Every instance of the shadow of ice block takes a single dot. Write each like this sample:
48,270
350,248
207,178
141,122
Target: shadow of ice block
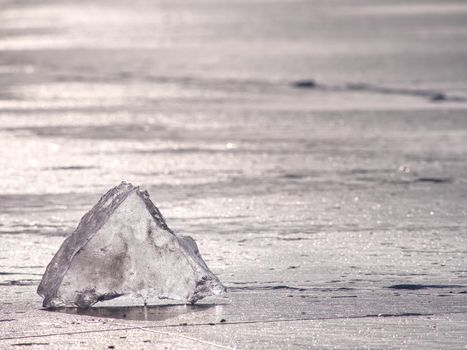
123,246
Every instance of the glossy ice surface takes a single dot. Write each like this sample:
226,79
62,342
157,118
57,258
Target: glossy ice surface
315,150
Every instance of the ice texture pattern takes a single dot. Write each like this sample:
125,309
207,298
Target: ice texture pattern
123,246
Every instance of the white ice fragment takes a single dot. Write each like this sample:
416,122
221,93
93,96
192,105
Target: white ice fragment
123,246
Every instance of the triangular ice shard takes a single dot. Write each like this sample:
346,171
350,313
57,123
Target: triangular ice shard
123,246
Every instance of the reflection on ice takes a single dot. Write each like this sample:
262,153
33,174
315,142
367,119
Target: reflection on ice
140,313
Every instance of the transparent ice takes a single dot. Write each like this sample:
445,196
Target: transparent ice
123,246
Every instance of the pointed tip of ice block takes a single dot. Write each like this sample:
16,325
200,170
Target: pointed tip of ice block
123,246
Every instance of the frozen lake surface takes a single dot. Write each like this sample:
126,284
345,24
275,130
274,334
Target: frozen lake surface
315,150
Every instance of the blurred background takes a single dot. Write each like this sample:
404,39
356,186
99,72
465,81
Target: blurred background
305,143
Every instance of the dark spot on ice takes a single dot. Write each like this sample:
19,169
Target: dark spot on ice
8,320
19,273
277,287
404,314
438,97
304,84
423,286
433,96
436,180
149,232
25,282
288,287
293,176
